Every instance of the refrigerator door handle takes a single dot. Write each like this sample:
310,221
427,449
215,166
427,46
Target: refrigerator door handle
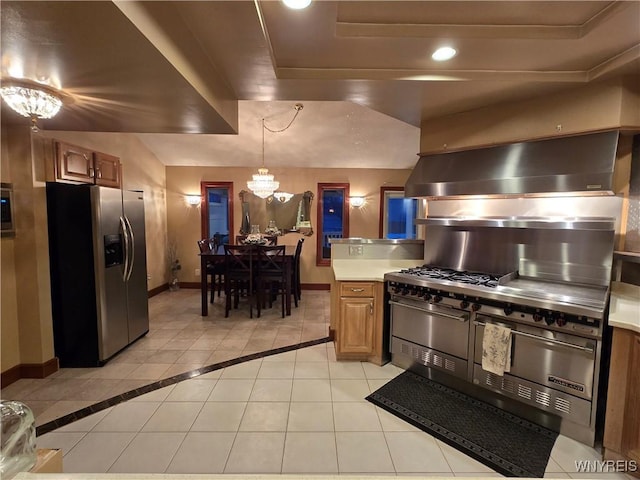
127,247
132,248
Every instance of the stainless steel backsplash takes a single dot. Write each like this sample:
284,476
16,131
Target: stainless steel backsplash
554,250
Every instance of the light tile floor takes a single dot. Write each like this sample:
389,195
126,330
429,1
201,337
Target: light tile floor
179,340
292,413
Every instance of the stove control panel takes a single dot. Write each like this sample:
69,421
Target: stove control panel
549,319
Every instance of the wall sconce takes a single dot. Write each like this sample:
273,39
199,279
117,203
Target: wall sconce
356,201
192,200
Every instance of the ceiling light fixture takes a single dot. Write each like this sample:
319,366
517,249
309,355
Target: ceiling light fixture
263,184
31,99
297,4
444,53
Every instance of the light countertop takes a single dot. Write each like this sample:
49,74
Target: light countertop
624,307
371,270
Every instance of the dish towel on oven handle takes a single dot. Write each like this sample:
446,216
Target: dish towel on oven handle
496,349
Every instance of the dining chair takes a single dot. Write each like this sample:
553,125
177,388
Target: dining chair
216,242
271,274
215,269
296,287
238,276
271,239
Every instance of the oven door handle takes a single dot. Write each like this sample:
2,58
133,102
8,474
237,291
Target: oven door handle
587,349
461,318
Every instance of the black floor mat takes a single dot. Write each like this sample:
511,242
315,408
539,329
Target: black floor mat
508,444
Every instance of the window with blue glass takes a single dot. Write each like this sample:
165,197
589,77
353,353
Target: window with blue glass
398,214
333,218
217,214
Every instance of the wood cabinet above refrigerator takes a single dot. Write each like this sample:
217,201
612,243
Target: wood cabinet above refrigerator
77,164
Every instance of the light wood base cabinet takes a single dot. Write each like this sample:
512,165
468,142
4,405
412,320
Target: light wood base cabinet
358,309
622,420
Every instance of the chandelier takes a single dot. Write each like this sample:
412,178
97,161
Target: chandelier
32,100
263,184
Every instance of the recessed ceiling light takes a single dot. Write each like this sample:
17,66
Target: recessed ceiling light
297,4
444,53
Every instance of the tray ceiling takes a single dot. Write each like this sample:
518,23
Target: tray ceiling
169,67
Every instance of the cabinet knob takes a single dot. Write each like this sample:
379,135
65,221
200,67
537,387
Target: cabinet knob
371,307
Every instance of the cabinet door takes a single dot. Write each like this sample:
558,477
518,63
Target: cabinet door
107,170
355,332
74,163
631,429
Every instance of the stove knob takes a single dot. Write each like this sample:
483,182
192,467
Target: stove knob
548,319
414,291
427,296
405,291
437,299
537,317
508,310
561,321
464,304
475,307
397,289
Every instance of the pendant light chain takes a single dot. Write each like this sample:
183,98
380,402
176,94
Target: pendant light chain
298,107
263,127
263,184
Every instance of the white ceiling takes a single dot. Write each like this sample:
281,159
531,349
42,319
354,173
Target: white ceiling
186,75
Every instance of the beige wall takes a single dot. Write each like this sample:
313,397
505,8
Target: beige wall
630,115
10,337
26,324
25,262
183,221
598,106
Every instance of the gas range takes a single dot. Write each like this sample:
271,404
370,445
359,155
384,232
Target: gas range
545,283
554,304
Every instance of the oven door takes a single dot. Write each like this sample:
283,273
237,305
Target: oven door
556,360
437,327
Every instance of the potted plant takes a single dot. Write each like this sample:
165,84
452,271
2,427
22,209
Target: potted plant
174,266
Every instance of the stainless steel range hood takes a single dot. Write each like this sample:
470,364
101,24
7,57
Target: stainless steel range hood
581,163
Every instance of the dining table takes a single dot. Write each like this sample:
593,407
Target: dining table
219,257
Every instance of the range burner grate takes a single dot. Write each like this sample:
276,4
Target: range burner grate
438,273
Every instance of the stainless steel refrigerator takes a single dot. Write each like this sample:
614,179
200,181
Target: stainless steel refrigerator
98,267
